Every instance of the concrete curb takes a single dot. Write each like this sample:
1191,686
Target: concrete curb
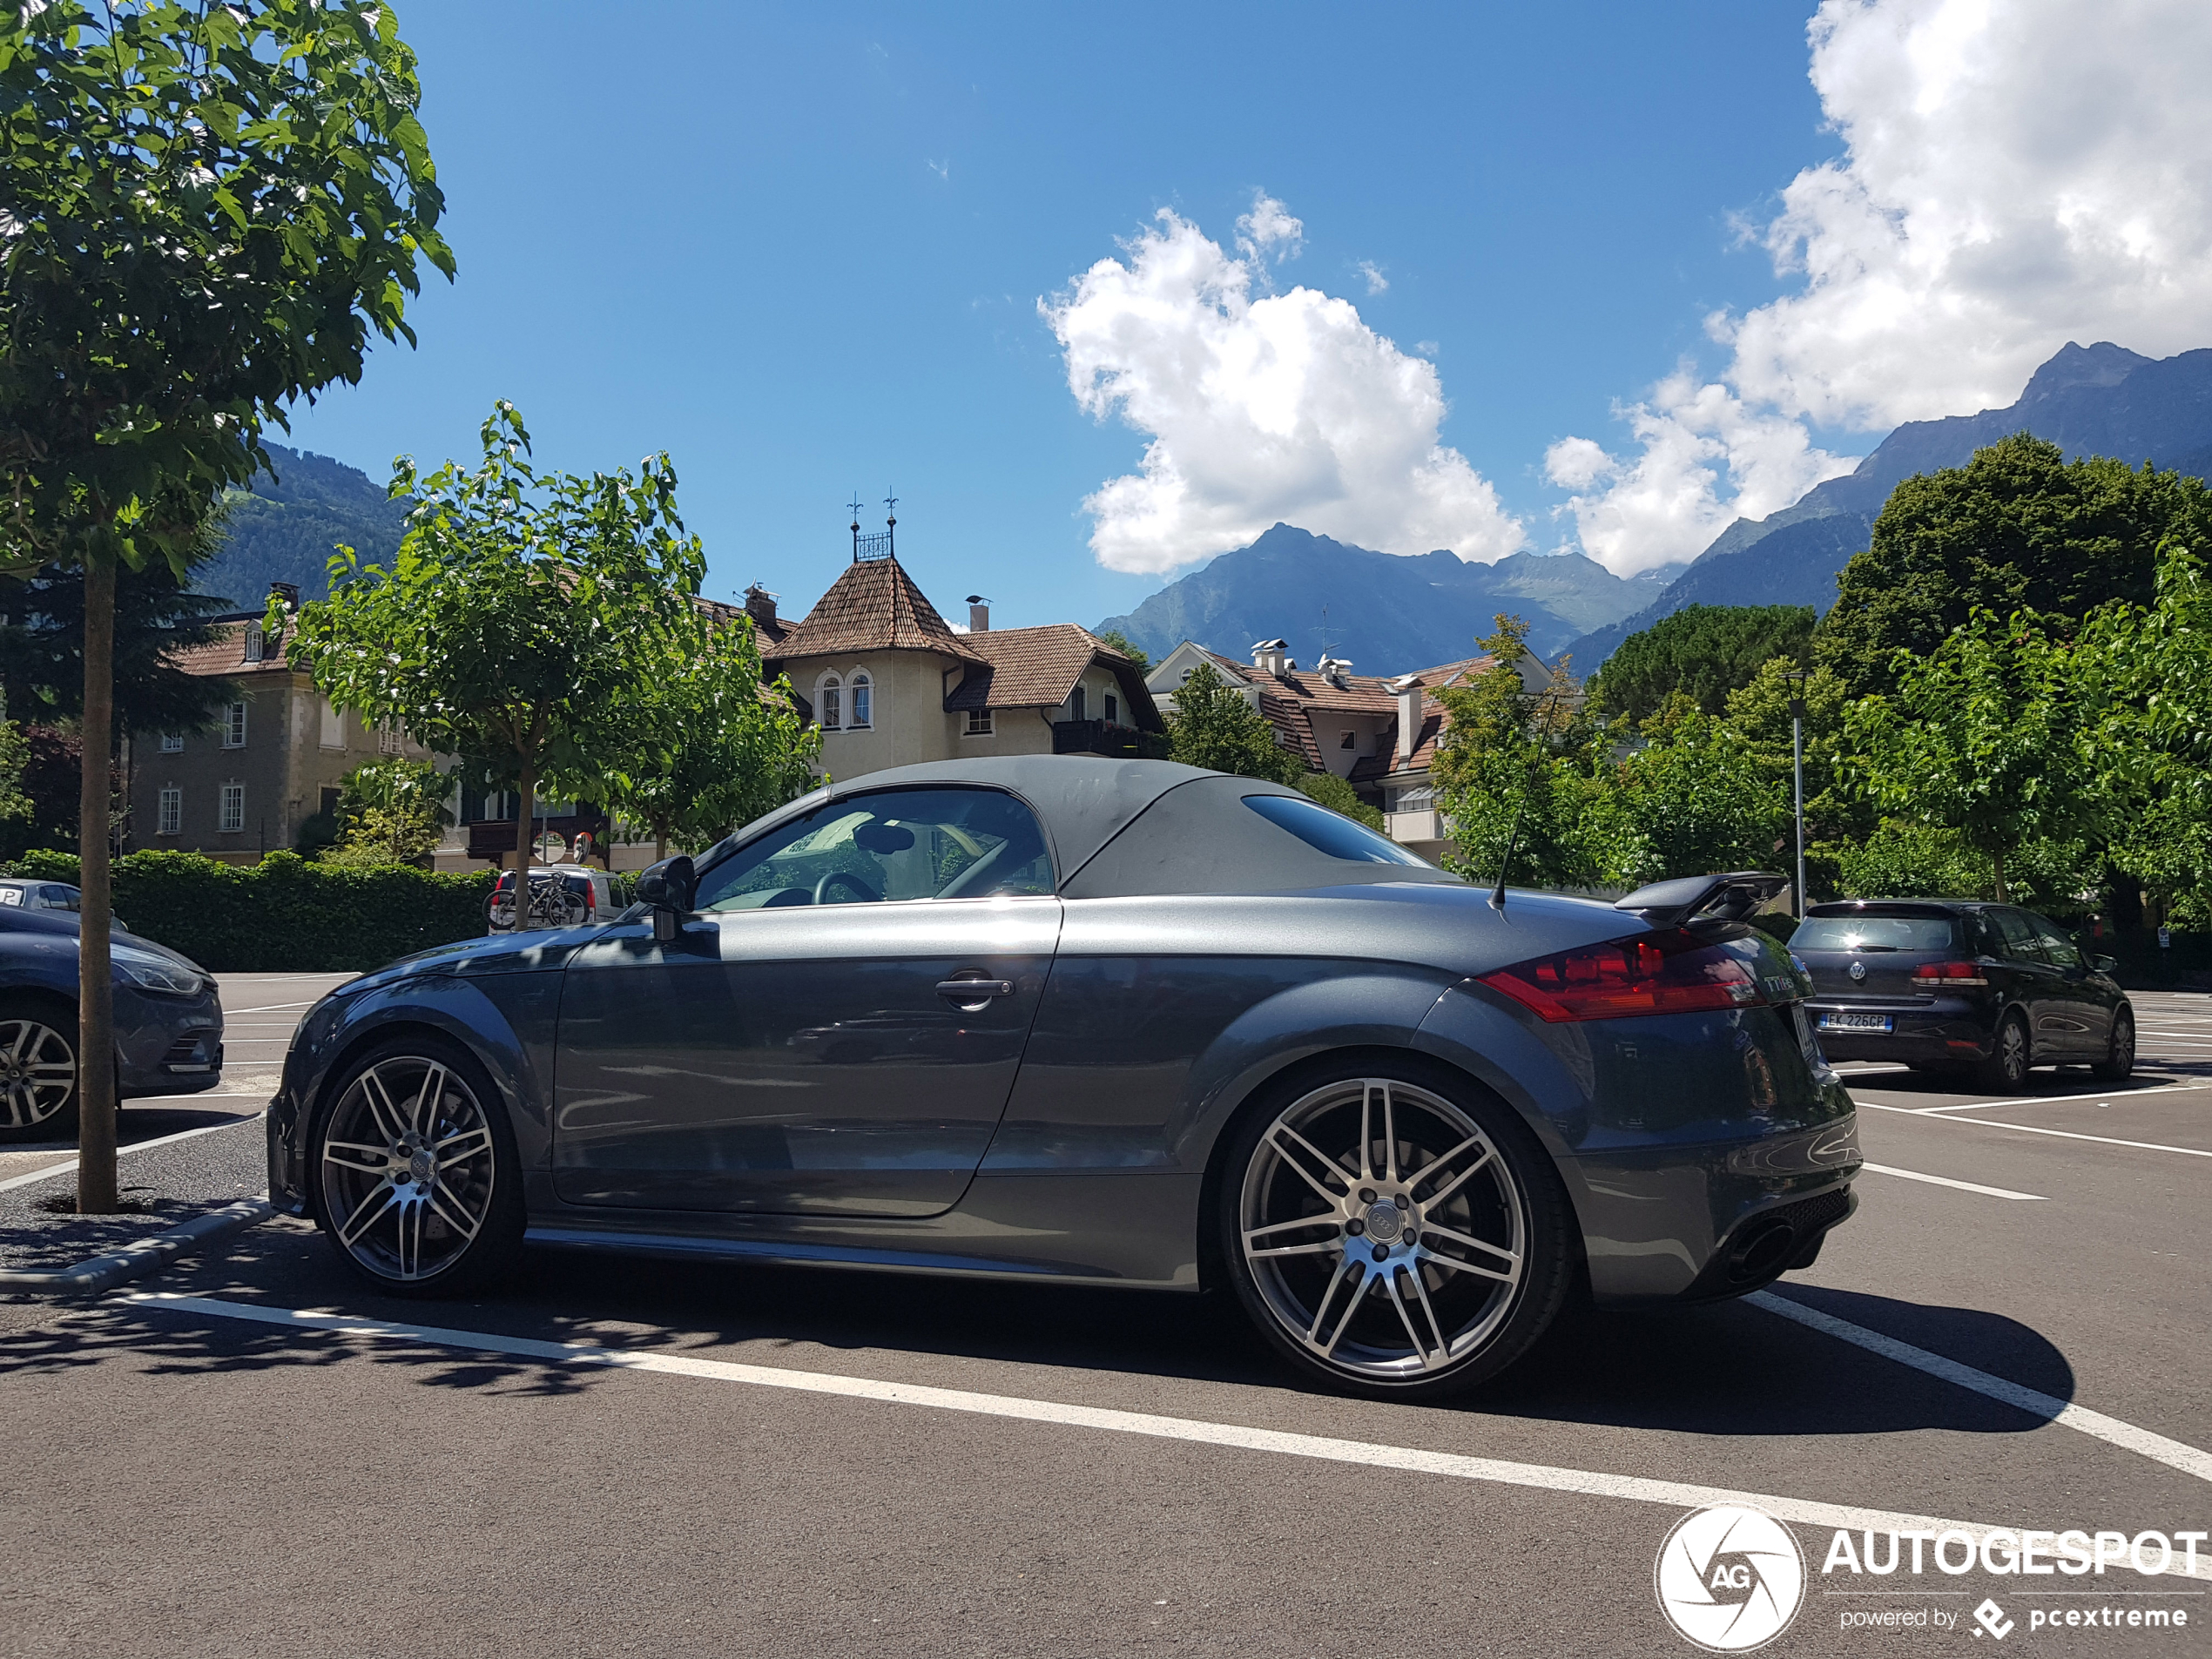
98,1273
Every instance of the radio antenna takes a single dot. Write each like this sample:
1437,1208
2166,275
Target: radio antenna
1497,892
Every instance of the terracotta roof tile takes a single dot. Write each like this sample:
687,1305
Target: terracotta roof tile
224,656
874,606
1037,667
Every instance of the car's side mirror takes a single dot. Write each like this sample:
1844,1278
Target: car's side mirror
668,886
2104,964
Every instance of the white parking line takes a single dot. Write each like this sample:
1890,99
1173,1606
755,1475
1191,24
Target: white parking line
1946,1181
136,1146
1543,1477
271,1008
2030,1129
2053,1100
2174,1454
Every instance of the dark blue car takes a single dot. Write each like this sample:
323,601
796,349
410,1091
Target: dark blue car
168,1023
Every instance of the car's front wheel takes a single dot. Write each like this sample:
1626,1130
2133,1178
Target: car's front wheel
419,1186
38,1071
1394,1230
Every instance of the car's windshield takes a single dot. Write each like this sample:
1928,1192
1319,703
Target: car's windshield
891,845
1872,933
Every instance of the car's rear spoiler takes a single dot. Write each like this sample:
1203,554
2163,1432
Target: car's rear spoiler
1712,897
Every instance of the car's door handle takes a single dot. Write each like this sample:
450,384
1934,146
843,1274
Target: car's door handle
975,991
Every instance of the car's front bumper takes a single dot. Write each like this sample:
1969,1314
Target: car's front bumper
167,1045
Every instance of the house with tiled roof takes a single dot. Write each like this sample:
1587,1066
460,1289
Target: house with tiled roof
891,682
1378,733
277,754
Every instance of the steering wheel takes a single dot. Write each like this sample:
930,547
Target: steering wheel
861,889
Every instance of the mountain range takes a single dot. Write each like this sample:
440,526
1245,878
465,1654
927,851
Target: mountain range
284,530
2099,400
1385,614
1389,614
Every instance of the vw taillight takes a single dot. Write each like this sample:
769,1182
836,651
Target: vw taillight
1946,974
1661,972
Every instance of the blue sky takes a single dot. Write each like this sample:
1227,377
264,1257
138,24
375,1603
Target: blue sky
802,249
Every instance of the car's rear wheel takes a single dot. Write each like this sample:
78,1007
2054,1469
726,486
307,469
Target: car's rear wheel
2005,1070
2119,1062
417,1178
1394,1230
37,1072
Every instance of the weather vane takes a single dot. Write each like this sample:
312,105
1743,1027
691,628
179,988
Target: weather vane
855,504
890,505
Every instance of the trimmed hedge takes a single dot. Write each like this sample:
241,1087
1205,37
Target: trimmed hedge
285,915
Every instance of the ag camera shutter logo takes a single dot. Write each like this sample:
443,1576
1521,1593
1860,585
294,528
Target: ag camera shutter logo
1729,1578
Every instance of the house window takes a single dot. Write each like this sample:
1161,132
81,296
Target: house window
1347,739
829,701
173,742
171,817
1113,710
979,723
1076,705
234,726
388,738
256,645
333,726
863,702
233,813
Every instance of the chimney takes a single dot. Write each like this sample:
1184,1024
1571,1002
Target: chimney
1271,656
760,605
979,614
1407,690
288,591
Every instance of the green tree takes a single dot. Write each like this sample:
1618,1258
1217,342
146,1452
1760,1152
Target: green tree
1120,641
1335,794
1696,798
1837,815
209,208
1704,652
2019,527
714,748
1213,726
1992,736
389,812
525,622
15,755
1512,772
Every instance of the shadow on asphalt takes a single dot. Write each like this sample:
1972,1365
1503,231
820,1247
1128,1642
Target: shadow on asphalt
1724,1369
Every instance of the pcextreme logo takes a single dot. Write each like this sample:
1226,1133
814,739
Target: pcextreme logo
1729,1578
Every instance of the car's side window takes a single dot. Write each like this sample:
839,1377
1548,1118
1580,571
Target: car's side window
887,847
2019,936
2057,948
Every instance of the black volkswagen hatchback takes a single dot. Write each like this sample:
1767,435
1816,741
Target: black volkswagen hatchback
1952,985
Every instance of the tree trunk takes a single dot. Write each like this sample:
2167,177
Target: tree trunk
525,822
95,986
1997,861
660,844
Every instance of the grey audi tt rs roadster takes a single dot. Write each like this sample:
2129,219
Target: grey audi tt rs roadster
1056,1018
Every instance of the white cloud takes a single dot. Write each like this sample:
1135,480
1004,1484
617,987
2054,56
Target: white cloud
1707,458
1286,407
1377,282
2015,174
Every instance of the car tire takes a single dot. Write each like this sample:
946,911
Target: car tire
39,1074
414,1171
1420,1268
2005,1070
2119,1062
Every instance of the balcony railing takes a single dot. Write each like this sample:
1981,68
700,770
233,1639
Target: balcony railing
1097,737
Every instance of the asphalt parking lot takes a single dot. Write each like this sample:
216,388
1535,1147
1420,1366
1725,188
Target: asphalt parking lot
2012,1332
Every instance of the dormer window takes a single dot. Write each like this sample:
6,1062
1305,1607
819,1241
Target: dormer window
863,691
256,644
829,701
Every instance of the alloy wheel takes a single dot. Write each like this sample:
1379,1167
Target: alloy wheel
37,1072
1383,1228
2012,1052
408,1164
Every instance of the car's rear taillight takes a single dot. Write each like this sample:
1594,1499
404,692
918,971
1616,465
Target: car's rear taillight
1661,972
1944,975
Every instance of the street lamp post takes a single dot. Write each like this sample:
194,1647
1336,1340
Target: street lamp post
1797,677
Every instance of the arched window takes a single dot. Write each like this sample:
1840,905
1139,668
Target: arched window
863,700
829,701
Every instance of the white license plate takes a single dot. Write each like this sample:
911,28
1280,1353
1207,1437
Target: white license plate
1855,1021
